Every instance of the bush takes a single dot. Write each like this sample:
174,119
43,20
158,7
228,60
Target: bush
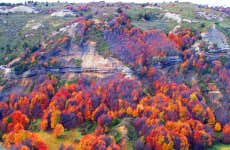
20,68
117,135
115,122
78,62
35,125
132,134
148,16
2,79
98,37
119,10
34,49
223,60
88,127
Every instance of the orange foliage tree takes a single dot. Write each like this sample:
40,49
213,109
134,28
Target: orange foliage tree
226,134
58,130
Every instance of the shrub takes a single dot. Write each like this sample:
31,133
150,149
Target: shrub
78,62
58,130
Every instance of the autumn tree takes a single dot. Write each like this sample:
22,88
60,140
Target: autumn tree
58,130
226,134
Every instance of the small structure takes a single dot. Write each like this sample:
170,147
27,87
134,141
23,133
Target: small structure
63,13
213,92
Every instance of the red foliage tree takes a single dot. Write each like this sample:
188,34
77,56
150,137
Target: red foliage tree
17,121
226,134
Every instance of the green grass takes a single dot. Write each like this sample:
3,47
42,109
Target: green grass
157,20
88,127
136,13
225,27
116,134
98,36
163,25
35,125
189,11
78,62
130,145
13,32
186,10
2,79
198,26
220,147
69,137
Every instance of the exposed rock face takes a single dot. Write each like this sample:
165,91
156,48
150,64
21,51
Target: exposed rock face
173,16
25,9
215,37
91,59
210,16
91,62
63,13
33,25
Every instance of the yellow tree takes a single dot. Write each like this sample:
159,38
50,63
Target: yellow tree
211,116
58,130
55,117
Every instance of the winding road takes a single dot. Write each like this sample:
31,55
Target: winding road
38,71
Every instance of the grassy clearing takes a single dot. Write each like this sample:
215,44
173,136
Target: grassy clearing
201,26
186,10
17,29
136,13
69,137
220,147
225,27
163,25
155,19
